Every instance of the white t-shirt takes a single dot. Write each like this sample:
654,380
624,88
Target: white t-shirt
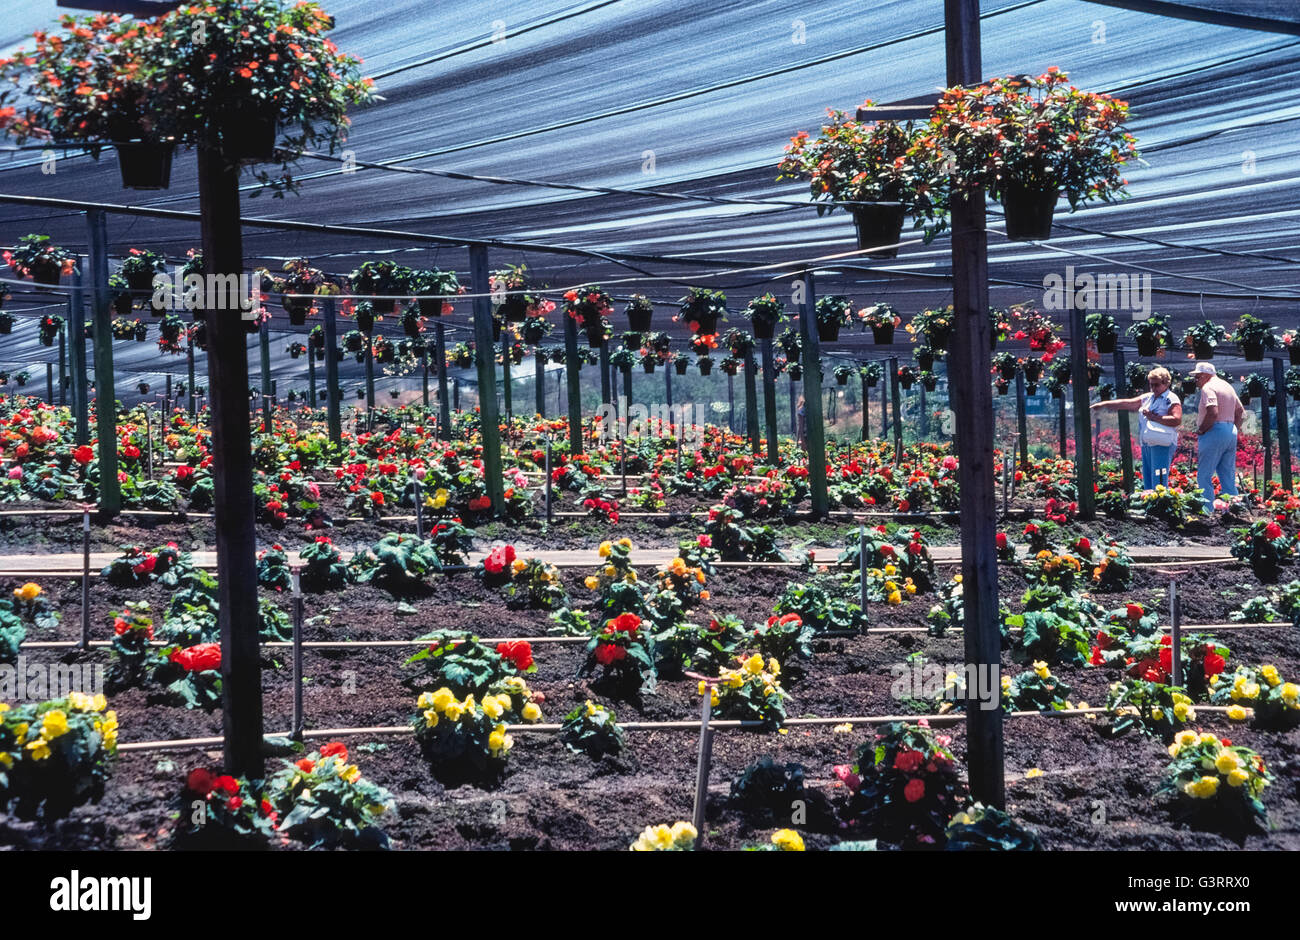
1152,432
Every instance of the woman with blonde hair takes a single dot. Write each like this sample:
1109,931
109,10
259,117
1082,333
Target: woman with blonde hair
1162,413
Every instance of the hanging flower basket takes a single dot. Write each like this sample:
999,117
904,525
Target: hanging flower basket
514,309
1147,346
681,365
142,332
1252,352
1107,342
297,308
925,359
6,323
841,379
795,371
411,325
595,334
929,381
828,332
122,305
1029,211
879,228
365,318
706,366
648,365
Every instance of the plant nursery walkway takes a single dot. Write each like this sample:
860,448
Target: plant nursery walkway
70,563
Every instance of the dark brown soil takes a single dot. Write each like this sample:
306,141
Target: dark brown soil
550,798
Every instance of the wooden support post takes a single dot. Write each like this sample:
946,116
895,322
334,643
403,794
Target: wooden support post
606,380
539,382
232,475
866,411
264,350
63,362
311,377
769,401
507,397
49,378
77,341
444,402
751,403
884,403
968,371
897,401
110,492
571,367
549,485
189,371
489,419
1125,438
1083,474
1060,425
627,390
1022,420
333,392
1283,424
370,377
1266,435
814,424
925,414
455,394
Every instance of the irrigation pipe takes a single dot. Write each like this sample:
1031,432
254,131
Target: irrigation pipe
566,640
951,718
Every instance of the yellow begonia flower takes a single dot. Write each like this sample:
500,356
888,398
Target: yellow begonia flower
531,712
787,840
1237,713
28,592
605,549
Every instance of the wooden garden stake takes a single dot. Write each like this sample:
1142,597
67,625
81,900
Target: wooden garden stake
705,757
85,574
574,386
549,514
419,507
299,723
862,571
1176,620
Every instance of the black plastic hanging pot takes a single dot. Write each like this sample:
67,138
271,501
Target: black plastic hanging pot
297,308
639,320
706,366
45,273
6,325
883,335
249,138
122,305
514,309
828,331
879,228
1029,211
1106,343
1147,345
1202,350
679,366
841,380
365,320
1252,352
925,360
144,165
648,366
707,323
763,327
1293,352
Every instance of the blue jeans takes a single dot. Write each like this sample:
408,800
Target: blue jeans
1155,464
1216,453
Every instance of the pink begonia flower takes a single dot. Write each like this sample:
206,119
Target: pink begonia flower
15,472
844,773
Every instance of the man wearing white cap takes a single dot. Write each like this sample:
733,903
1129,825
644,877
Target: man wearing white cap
1218,419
